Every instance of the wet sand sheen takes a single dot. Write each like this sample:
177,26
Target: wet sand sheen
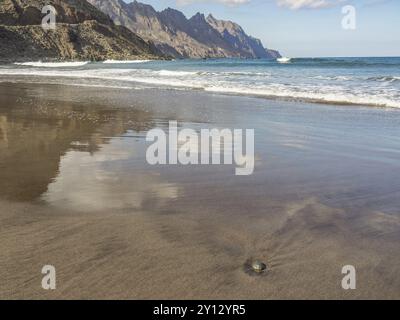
77,193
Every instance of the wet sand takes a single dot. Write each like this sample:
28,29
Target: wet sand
77,193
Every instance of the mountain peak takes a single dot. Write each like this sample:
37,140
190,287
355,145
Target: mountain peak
172,11
174,34
198,17
135,5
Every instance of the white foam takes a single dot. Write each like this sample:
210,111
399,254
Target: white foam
389,79
340,78
125,61
53,64
333,94
129,75
170,73
284,60
321,96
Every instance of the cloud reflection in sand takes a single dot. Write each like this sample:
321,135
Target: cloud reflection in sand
107,179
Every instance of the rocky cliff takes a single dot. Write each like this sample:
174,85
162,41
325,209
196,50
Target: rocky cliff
236,37
82,33
174,34
274,53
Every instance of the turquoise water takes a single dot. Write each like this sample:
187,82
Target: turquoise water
361,81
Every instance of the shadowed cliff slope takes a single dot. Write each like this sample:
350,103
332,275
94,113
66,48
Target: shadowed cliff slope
82,33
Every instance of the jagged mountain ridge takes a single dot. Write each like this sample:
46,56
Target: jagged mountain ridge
83,33
174,34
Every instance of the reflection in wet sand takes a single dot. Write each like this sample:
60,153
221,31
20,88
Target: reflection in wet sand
76,192
36,133
106,180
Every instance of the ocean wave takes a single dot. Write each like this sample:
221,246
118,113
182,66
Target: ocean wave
311,92
389,79
52,64
246,73
124,61
124,75
284,60
170,73
334,78
337,98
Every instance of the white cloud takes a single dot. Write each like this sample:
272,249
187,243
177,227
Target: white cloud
310,4
233,2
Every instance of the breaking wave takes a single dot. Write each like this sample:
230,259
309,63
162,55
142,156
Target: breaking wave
360,86
40,64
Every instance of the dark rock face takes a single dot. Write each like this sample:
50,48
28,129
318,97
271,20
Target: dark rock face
274,54
83,33
174,34
28,12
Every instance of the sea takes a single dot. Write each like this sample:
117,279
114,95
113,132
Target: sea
342,81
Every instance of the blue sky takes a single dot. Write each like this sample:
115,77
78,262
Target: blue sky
307,28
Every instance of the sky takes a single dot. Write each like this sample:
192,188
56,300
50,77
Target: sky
307,28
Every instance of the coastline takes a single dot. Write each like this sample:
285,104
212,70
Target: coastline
76,192
361,82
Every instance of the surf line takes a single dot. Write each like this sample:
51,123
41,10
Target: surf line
189,147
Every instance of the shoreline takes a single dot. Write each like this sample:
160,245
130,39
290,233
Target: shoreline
271,98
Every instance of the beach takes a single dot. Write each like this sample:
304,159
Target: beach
77,193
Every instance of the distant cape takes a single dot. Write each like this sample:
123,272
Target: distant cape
173,34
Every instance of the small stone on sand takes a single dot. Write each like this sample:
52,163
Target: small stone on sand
259,266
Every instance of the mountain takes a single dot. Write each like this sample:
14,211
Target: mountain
82,33
273,53
174,34
237,38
